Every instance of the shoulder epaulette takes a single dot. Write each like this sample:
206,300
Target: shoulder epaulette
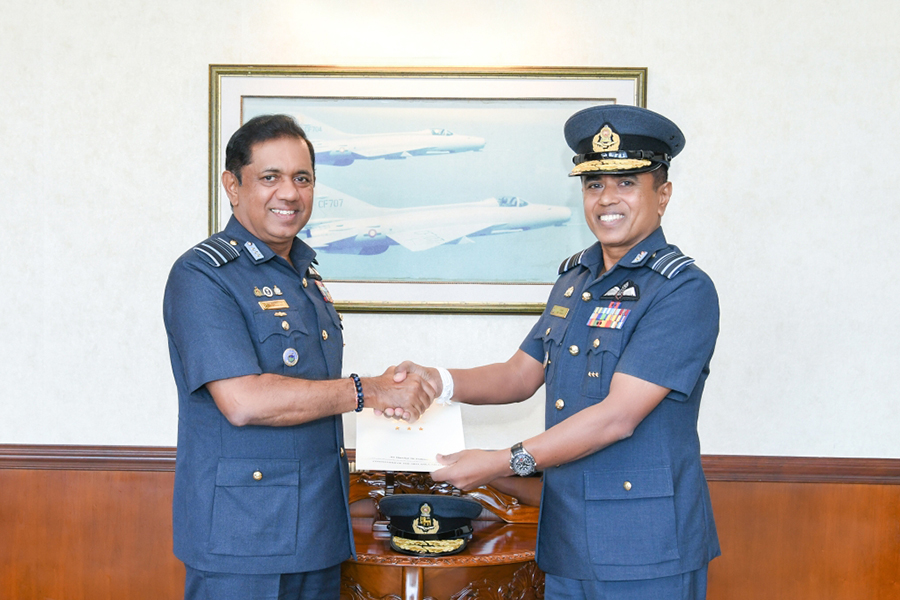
572,261
217,251
670,263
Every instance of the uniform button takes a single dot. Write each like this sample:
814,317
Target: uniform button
341,316
285,325
257,475
303,281
573,350
627,486
560,404
342,453
324,335
586,296
233,243
597,343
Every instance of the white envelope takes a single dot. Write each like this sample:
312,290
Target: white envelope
384,444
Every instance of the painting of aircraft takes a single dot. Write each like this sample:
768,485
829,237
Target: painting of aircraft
343,224
340,149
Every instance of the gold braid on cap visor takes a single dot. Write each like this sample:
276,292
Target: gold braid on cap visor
428,546
610,164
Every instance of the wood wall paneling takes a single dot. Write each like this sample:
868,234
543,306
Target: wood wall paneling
94,523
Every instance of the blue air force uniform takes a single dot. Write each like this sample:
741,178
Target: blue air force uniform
252,499
640,508
635,516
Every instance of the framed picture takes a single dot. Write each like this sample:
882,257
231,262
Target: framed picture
437,190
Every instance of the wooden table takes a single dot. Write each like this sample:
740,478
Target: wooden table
498,563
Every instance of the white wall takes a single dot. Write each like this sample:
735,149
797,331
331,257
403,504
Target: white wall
785,194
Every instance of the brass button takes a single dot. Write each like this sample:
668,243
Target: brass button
560,404
597,343
324,335
342,453
285,325
257,475
303,281
586,296
573,350
233,243
627,486
341,316
547,332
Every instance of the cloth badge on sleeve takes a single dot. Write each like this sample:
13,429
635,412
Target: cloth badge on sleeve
624,291
609,317
325,295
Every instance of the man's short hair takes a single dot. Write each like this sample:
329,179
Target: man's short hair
660,176
239,151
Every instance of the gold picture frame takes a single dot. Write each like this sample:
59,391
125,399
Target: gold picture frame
522,109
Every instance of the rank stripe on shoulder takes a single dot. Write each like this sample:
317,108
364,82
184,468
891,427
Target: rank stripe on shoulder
671,264
570,262
217,251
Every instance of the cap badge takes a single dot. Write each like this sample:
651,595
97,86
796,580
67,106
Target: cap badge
606,140
425,523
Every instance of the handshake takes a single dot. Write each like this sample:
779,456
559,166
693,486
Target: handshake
404,391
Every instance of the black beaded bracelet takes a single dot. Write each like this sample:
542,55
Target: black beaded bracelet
359,392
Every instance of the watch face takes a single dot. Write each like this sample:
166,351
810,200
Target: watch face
522,464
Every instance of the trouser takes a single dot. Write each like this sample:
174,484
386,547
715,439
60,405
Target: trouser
314,585
685,586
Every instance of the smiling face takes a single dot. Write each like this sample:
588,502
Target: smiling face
622,210
273,200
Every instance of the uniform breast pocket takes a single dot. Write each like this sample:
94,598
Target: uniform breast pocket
551,336
281,324
255,507
631,516
602,355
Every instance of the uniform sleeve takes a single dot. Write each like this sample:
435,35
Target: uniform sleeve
207,328
532,345
675,338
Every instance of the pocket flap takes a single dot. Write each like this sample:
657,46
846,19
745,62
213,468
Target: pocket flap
286,323
233,472
625,485
552,330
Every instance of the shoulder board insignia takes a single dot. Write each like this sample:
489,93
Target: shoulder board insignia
572,261
217,251
313,274
671,263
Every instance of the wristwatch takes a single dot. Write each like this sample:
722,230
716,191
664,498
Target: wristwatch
520,461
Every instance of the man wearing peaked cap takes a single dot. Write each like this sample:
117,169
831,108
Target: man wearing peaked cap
623,347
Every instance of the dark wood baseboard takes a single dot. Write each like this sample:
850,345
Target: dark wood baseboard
718,467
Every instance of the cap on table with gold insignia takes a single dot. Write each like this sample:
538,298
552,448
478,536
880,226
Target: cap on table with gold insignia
615,139
429,525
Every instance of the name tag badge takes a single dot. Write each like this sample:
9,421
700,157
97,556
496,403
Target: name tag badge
559,311
273,304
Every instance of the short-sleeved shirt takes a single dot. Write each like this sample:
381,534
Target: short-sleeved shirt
639,508
254,499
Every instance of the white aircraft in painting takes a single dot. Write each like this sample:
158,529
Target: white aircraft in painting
340,149
346,225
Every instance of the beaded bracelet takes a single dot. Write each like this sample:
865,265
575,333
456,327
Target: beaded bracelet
359,392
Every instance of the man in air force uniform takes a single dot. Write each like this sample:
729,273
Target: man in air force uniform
624,347
261,482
